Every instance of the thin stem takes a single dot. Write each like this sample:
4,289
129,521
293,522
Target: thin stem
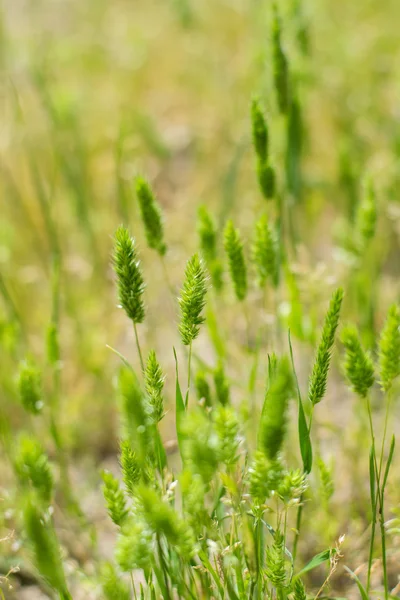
373,524
300,507
298,526
133,586
189,367
247,319
388,403
167,279
163,566
138,346
383,542
381,498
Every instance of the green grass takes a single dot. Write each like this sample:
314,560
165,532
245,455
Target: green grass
253,157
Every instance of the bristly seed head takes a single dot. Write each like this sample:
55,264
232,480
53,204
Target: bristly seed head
259,131
129,275
389,348
192,299
151,216
154,384
358,365
237,265
319,375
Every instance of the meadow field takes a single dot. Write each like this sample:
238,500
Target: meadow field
200,300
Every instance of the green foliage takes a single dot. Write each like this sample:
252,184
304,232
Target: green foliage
193,495
237,265
266,253
275,561
154,384
202,524
45,548
32,467
366,217
319,375
192,300
130,467
115,499
227,429
129,276
203,388
264,477
53,344
222,388
266,179
151,215
135,415
299,592
30,387
201,445
273,418
259,131
114,588
389,348
134,545
207,232
326,479
292,487
164,520
280,65
358,365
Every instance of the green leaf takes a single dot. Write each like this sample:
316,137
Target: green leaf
360,586
179,410
160,450
315,562
304,433
389,462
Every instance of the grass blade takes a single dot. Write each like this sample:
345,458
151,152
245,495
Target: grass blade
304,433
179,409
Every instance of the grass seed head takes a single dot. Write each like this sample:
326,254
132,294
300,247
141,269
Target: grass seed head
319,375
30,387
358,365
151,215
389,348
192,299
115,499
237,265
129,276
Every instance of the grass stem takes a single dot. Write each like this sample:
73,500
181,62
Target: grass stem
138,347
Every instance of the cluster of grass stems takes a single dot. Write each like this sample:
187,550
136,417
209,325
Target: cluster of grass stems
223,517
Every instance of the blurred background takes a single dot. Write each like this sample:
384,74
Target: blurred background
95,92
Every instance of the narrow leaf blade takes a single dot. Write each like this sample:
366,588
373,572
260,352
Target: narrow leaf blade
179,410
304,433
